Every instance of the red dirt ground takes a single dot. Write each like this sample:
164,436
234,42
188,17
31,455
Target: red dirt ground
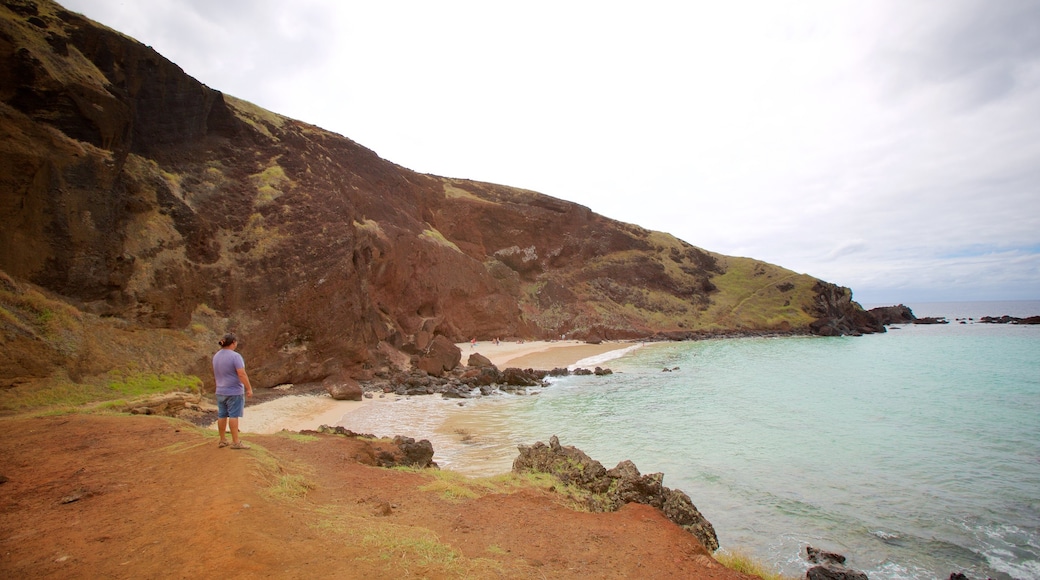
93,496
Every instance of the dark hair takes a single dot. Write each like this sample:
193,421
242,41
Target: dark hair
228,339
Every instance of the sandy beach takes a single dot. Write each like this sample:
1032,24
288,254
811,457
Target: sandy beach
538,354
303,412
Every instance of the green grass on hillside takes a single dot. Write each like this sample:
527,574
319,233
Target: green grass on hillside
118,386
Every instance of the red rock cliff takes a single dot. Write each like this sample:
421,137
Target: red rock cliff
134,192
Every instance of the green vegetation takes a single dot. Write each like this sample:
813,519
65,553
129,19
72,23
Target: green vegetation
142,384
741,562
113,391
754,294
432,235
270,184
455,487
452,192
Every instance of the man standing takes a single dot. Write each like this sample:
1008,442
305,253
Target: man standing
229,370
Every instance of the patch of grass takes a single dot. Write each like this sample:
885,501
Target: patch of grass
740,561
436,237
290,486
300,437
415,546
494,549
283,483
113,391
143,384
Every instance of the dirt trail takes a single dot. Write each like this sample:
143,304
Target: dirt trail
91,496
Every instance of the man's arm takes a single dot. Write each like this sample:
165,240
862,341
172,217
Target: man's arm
242,376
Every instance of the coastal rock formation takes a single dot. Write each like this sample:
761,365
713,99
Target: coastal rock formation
403,452
836,313
614,488
1005,319
829,566
899,314
149,203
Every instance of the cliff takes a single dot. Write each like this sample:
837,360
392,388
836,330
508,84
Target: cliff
156,212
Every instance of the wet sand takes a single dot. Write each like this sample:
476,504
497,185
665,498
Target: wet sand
538,354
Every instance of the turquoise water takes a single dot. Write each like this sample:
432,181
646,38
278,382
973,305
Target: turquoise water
916,452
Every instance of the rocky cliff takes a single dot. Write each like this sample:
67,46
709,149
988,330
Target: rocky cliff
148,204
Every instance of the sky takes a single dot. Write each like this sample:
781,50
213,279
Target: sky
888,146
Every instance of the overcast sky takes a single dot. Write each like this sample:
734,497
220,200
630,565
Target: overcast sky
892,147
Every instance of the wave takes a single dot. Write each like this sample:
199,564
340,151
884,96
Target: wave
602,358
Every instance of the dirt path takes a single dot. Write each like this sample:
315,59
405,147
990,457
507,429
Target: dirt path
90,496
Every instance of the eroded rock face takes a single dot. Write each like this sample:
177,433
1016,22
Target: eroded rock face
615,487
836,314
898,314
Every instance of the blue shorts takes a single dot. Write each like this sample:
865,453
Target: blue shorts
230,406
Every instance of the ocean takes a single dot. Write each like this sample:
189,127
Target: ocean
916,453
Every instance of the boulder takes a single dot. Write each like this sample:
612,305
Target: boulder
343,388
515,377
478,360
440,356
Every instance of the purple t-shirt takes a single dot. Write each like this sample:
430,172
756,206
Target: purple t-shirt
225,370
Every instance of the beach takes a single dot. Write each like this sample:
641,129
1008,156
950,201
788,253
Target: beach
538,354
308,412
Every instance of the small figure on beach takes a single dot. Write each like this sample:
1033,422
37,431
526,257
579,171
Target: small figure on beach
473,343
229,371
496,341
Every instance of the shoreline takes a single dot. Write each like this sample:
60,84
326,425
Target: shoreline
539,354
305,412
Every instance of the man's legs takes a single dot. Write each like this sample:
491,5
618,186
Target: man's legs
222,418
233,422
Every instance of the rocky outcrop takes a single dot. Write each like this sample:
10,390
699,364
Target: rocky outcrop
1005,319
836,314
829,566
613,488
401,451
899,314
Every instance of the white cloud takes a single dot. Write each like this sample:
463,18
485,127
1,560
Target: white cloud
863,143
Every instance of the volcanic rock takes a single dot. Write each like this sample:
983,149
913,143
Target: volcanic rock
613,488
899,314
343,388
478,360
441,355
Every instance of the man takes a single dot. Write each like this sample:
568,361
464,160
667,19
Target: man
229,370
